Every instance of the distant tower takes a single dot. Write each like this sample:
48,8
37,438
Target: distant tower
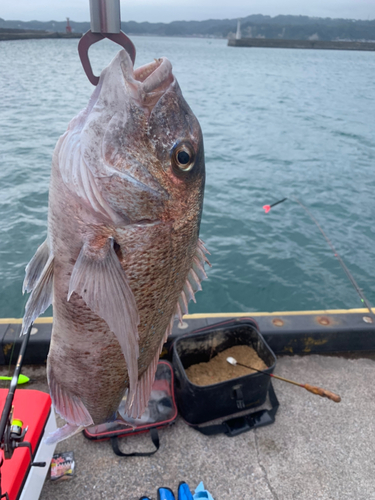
68,28
238,34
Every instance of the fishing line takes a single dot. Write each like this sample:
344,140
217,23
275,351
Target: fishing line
359,291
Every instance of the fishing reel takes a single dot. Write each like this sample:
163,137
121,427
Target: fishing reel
14,437
12,434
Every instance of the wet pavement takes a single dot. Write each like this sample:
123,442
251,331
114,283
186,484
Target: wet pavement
316,449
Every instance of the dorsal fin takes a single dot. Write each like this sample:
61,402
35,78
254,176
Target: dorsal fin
193,281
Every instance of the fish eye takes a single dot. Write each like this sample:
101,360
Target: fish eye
183,157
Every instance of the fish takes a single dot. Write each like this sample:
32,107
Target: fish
122,257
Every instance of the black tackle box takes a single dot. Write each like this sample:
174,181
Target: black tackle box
237,398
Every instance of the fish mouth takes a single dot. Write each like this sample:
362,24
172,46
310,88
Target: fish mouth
156,75
149,82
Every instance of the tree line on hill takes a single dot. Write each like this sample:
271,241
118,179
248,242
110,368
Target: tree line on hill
257,26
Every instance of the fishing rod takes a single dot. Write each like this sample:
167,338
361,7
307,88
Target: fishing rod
5,416
11,433
311,388
362,296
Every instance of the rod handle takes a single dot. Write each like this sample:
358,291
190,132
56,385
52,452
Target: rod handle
322,392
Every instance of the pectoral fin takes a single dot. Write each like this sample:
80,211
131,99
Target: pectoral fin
41,296
101,282
35,267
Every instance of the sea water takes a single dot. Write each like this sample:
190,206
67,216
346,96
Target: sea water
276,123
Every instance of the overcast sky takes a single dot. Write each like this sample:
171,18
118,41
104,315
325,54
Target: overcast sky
172,10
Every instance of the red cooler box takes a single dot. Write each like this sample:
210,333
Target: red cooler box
19,479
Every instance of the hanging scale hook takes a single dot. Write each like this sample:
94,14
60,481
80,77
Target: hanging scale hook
105,23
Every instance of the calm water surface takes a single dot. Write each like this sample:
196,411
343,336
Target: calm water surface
276,123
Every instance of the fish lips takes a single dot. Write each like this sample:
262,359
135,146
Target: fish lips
148,83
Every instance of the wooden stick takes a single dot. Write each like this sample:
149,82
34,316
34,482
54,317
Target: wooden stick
311,388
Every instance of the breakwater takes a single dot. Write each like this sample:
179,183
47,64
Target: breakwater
26,35
301,44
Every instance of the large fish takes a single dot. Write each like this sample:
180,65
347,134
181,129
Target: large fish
122,257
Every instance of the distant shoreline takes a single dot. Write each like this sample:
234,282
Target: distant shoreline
301,44
232,42
284,27
53,35
35,35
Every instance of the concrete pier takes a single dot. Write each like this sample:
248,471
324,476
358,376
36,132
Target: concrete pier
27,35
316,449
301,44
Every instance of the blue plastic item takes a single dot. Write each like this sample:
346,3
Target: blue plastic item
200,492
184,492
165,494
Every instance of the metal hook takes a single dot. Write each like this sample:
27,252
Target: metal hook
105,23
90,38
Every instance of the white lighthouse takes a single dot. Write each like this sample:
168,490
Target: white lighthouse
238,34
